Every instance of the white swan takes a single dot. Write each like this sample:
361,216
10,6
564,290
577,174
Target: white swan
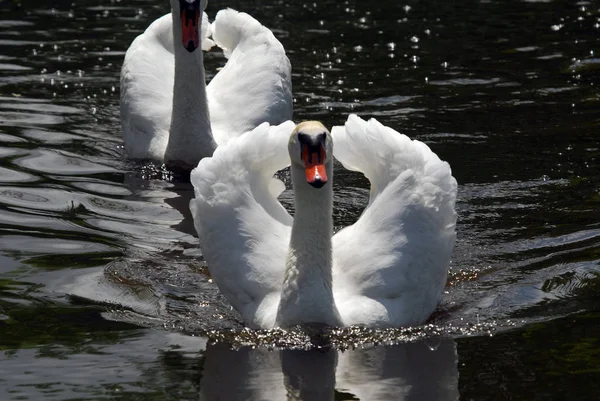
169,114
388,269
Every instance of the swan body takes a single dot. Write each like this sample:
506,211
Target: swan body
388,269
169,114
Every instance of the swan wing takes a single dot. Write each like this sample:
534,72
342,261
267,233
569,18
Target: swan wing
255,84
146,88
243,230
390,267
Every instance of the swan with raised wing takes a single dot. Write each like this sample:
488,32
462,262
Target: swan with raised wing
388,269
170,115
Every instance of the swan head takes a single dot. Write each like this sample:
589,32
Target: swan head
190,14
311,148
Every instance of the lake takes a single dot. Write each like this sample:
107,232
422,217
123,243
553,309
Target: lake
104,294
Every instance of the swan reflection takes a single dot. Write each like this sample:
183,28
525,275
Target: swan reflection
424,370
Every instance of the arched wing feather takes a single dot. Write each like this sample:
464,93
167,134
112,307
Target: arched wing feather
256,81
391,265
243,229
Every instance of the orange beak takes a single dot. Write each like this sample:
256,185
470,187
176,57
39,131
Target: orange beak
189,29
316,174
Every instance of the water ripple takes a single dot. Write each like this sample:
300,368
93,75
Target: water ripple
515,116
12,176
42,246
61,162
29,119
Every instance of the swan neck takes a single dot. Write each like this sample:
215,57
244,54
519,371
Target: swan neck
307,295
190,136
314,208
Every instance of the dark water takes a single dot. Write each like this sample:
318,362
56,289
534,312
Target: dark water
102,292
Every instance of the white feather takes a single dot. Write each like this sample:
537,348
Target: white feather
242,228
389,268
253,87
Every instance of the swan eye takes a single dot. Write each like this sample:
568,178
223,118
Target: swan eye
312,140
312,148
190,5
313,155
302,137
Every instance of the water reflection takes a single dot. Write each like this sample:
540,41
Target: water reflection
155,365
424,370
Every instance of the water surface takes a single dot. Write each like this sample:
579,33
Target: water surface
104,295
